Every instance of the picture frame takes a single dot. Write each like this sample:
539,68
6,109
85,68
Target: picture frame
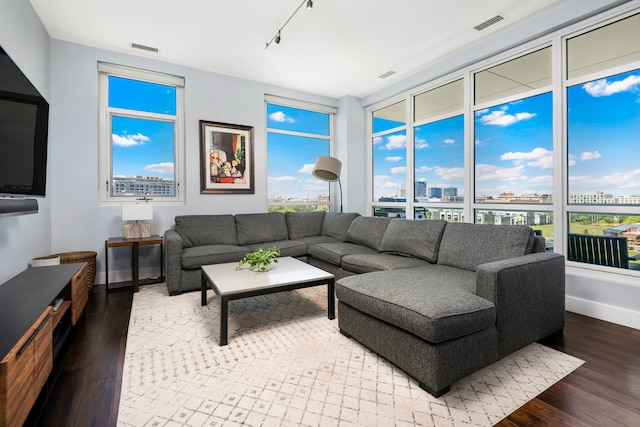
226,158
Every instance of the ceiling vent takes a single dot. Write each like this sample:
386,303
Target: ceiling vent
387,74
145,48
489,22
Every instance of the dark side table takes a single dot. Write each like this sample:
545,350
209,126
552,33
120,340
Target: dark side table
134,243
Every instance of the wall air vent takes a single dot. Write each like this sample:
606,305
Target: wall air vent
489,22
143,47
387,74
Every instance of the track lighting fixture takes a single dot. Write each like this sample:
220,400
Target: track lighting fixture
277,37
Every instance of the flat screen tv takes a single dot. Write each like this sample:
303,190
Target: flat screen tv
24,124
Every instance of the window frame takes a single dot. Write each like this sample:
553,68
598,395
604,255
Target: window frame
105,181
334,202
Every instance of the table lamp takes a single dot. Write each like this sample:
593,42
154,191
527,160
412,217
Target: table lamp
136,212
328,168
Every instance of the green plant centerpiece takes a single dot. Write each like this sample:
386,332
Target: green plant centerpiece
261,259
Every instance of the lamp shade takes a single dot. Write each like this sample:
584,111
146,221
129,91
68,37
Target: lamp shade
327,168
137,211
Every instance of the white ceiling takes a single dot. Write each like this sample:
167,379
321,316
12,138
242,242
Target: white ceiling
339,48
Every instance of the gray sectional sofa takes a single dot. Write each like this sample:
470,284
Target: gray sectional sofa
439,300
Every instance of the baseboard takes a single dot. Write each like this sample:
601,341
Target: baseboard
609,313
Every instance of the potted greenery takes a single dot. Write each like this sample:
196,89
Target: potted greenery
261,259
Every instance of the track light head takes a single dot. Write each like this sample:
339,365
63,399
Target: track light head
278,38
309,4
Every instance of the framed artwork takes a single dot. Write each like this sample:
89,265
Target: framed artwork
226,158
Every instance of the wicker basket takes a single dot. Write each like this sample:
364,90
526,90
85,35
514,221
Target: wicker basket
81,256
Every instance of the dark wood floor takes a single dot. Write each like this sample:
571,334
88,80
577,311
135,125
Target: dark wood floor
605,391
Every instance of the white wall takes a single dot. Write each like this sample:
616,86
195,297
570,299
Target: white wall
81,223
23,37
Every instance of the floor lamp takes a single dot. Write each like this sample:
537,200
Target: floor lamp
328,168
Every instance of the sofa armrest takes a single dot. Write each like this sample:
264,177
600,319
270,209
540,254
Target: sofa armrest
173,260
529,295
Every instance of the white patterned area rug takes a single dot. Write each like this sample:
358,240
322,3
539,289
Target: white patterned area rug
288,365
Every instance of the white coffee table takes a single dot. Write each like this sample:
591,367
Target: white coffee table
288,274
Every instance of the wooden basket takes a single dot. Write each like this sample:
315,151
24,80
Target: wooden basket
81,256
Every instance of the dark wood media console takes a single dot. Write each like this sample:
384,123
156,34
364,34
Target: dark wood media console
31,331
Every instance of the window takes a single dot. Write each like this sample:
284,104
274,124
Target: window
140,134
297,133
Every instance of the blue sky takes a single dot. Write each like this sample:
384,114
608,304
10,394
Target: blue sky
142,147
291,157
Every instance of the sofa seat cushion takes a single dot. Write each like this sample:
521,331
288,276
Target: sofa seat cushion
465,245
294,248
261,227
413,238
366,263
198,256
333,252
198,230
426,301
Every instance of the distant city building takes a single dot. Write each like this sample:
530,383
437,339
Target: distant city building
601,198
449,191
435,192
420,189
143,186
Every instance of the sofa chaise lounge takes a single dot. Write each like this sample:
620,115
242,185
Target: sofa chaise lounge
439,300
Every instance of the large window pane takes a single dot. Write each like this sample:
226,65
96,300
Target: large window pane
514,152
607,47
439,160
295,139
603,129
390,166
141,96
518,76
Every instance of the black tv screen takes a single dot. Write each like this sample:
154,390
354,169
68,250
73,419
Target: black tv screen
24,123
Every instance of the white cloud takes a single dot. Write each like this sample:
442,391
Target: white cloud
307,168
280,117
393,159
501,118
587,155
572,160
617,180
165,167
421,143
489,172
538,157
279,179
546,180
424,169
129,140
399,169
396,141
449,141
605,88
449,173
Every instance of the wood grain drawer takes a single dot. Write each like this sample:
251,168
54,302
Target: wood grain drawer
31,357
79,293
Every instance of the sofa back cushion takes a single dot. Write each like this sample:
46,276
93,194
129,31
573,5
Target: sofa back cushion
261,228
408,237
336,224
304,224
367,231
200,230
467,246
